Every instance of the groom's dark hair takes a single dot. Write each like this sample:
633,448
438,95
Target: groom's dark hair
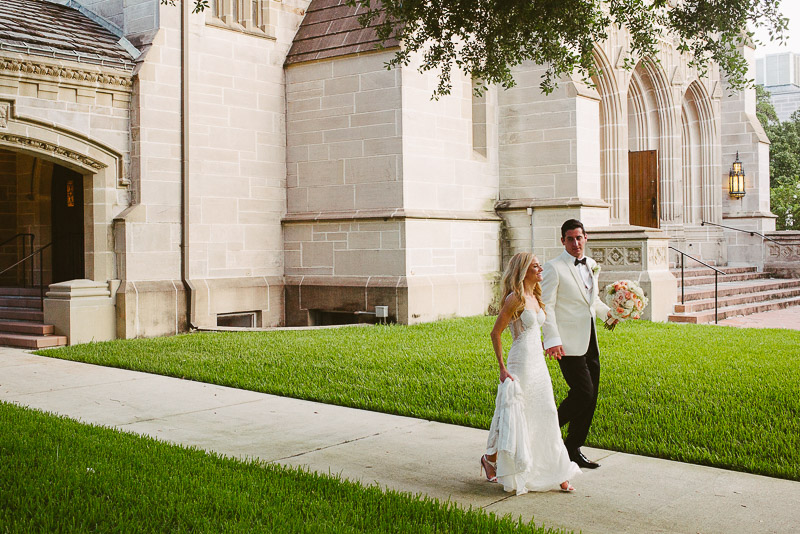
571,224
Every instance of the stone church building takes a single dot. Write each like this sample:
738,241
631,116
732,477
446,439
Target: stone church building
257,165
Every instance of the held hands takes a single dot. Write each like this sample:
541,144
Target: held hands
556,352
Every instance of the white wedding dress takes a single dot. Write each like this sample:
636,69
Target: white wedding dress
528,406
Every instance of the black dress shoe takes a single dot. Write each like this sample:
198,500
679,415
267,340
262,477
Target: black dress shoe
582,461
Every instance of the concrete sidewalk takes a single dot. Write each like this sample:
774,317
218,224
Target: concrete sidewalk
627,494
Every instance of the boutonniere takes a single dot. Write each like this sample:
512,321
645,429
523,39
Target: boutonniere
596,269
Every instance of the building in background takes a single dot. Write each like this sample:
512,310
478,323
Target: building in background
780,75
261,167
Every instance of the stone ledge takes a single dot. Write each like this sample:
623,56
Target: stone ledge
559,202
625,232
748,215
399,213
78,289
381,281
260,32
65,73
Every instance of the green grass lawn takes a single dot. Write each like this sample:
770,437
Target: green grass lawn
62,476
710,395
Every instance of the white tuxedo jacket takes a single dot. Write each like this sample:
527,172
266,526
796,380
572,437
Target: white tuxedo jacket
569,306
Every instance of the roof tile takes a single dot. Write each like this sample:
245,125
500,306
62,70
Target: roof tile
40,27
331,29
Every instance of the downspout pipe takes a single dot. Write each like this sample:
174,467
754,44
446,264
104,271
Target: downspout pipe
530,213
185,274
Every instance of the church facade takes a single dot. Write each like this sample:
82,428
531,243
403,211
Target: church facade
256,165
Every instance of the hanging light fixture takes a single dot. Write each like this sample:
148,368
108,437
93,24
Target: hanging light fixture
736,179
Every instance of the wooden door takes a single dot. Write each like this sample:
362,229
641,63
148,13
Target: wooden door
67,219
643,188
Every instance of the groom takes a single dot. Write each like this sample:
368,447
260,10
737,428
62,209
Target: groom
570,296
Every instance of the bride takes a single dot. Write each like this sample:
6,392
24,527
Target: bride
524,450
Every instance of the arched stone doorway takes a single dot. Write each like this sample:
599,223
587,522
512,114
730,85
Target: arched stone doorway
66,190
41,209
653,141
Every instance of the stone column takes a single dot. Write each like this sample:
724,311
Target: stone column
742,133
82,310
640,255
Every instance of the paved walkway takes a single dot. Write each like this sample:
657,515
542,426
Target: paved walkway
785,318
627,494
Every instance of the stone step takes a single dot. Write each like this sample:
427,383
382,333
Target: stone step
27,341
21,314
737,288
26,327
705,280
20,301
737,300
20,291
732,311
690,272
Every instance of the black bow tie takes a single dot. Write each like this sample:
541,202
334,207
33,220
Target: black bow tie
577,261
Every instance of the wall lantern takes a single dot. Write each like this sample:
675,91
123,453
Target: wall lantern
736,179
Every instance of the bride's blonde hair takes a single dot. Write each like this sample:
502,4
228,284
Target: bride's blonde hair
514,282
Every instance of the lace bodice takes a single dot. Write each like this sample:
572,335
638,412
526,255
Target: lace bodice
527,320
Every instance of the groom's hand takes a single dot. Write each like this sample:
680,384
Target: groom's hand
556,352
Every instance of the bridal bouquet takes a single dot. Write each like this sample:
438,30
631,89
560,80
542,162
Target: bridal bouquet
626,300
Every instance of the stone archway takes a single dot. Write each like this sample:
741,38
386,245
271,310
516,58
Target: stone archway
613,156
99,166
652,126
701,199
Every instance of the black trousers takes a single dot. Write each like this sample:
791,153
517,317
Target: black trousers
582,374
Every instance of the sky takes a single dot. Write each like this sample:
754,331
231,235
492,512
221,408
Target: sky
791,10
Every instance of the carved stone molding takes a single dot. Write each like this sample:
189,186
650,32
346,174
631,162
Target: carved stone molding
5,113
43,146
617,255
784,253
657,256
70,74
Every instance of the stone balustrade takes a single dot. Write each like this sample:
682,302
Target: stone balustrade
783,257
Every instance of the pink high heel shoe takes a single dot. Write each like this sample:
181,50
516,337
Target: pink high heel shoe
568,488
485,465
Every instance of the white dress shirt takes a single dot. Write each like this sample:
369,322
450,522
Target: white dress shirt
586,276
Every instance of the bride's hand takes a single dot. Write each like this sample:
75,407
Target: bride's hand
505,374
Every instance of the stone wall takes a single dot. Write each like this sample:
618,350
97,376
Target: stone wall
389,195
549,162
451,175
344,135
783,258
344,187
237,175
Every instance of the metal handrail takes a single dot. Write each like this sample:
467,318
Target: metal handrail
10,239
717,272
703,223
24,251
38,251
